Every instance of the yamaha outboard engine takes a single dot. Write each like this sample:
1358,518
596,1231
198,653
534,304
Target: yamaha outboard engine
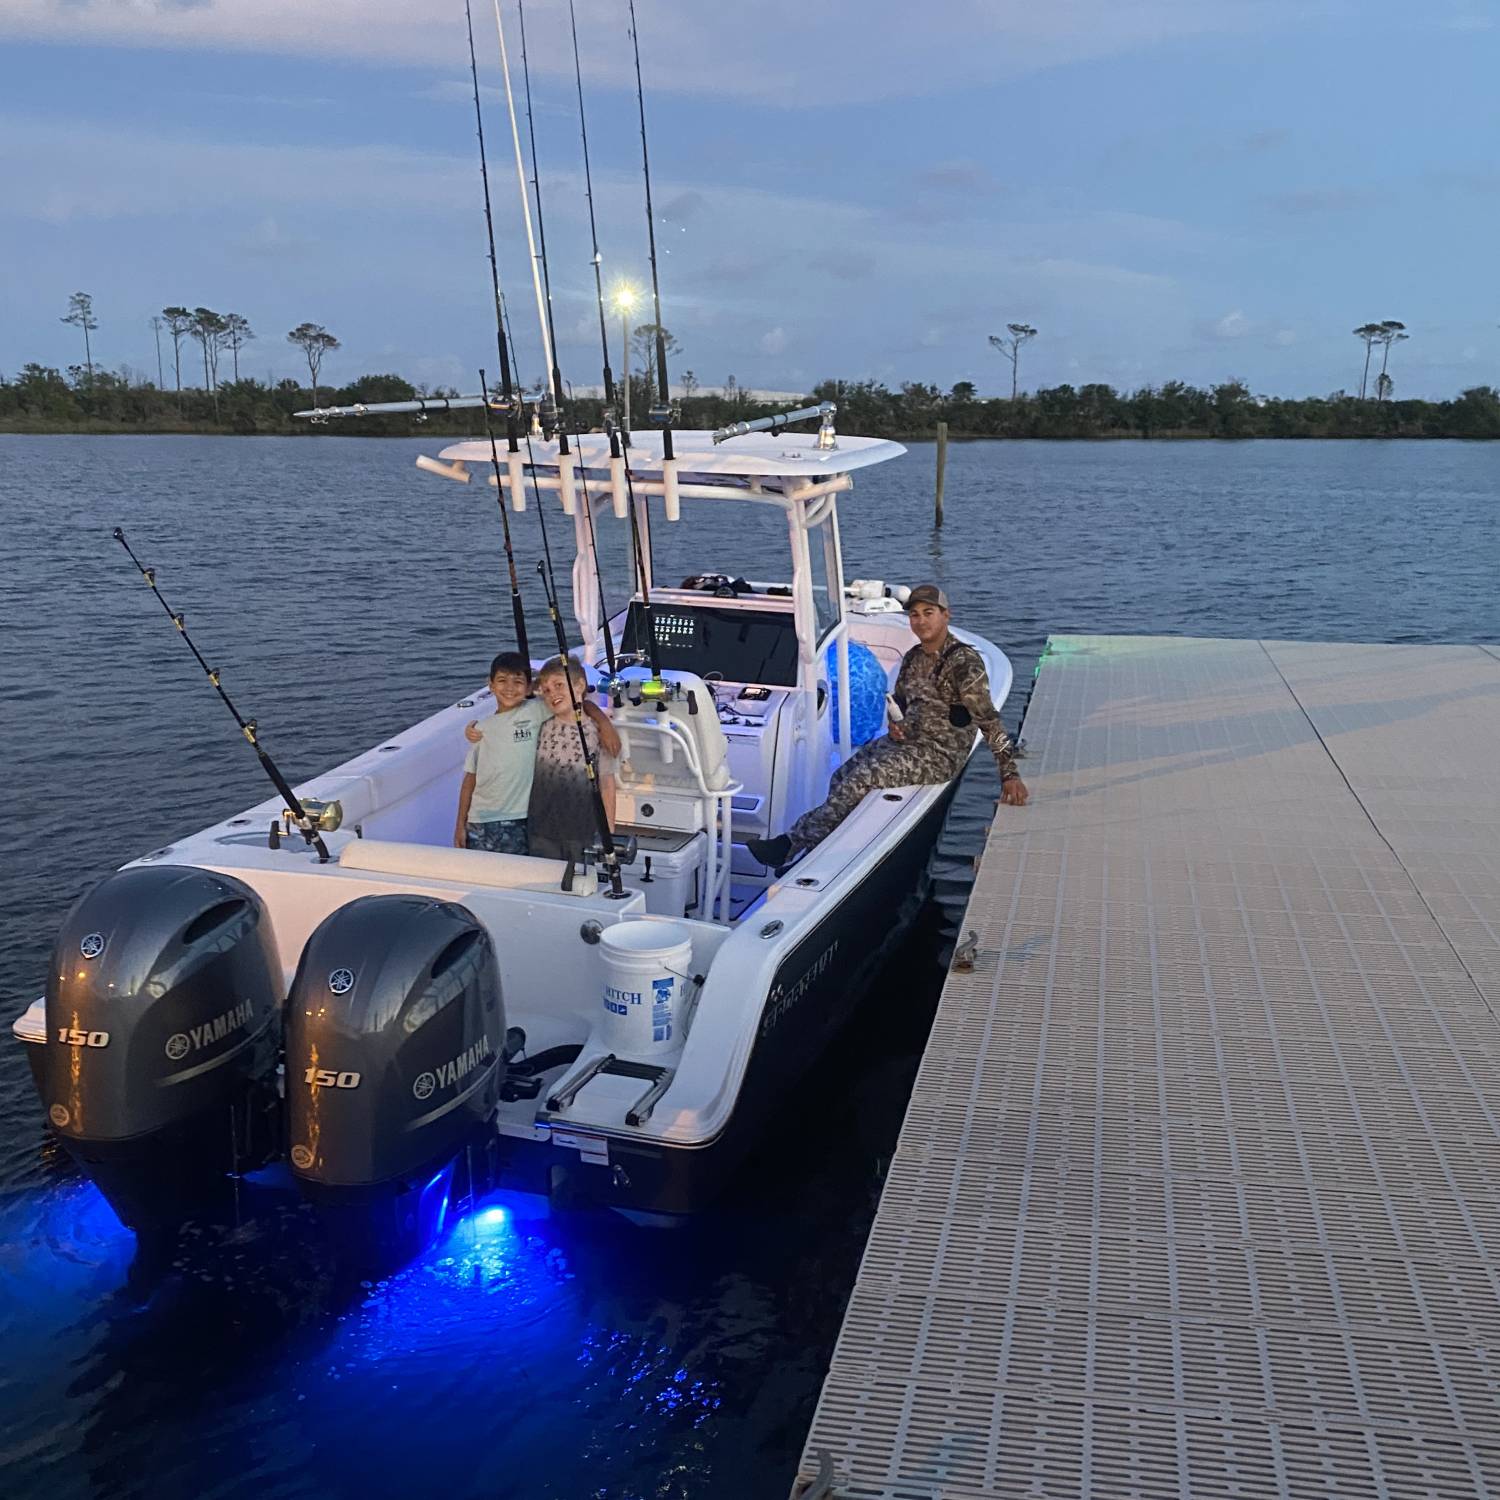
394,1042
159,1068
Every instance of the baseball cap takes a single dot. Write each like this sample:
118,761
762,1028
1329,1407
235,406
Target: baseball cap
927,593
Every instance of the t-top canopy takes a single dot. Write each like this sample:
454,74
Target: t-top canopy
787,454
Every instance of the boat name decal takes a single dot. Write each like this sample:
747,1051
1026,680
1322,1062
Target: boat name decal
180,1043
783,997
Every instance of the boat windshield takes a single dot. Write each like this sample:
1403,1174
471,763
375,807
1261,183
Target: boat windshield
739,645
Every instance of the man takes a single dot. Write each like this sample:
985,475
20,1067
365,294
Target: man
943,693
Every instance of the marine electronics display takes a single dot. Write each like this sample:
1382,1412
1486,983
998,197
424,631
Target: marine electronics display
739,645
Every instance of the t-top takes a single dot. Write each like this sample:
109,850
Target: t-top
502,762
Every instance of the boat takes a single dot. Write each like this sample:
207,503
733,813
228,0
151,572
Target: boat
400,1021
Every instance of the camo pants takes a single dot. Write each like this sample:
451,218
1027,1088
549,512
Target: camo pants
881,763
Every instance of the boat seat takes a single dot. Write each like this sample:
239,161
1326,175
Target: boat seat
672,760
673,771
515,872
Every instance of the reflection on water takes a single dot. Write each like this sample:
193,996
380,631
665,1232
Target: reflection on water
344,597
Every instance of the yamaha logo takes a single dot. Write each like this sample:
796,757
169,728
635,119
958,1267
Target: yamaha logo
341,981
59,1115
424,1085
93,945
178,1045
302,1157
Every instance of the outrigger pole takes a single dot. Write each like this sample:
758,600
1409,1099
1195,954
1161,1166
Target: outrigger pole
515,135
588,192
548,322
311,816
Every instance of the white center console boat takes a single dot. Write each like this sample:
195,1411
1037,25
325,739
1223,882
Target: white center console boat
405,1009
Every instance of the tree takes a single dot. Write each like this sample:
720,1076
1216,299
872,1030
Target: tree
643,339
1370,334
1391,332
689,385
1384,385
1020,333
179,321
208,327
156,329
314,341
237,333
81,315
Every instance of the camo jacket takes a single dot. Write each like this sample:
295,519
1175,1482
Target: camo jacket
945,696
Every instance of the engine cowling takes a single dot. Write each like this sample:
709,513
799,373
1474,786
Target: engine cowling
162,1004
394,1038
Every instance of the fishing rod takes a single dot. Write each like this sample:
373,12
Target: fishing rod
506,386
515,136
541,233
517,609
663,412
610,854
312,817
609,851
588,192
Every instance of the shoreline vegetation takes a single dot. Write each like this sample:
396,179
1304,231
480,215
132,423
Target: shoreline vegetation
41,400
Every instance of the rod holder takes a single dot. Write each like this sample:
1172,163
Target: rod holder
456,471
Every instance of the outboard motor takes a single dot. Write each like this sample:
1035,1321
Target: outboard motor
394,1057
159,1070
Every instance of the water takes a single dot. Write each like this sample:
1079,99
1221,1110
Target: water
344,596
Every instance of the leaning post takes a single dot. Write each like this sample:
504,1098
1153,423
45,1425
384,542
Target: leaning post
942,466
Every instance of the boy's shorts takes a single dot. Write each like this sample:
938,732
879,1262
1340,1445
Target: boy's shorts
507,837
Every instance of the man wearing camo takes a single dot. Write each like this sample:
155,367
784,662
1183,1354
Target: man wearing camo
943,692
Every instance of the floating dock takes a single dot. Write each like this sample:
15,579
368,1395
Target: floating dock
1198,1194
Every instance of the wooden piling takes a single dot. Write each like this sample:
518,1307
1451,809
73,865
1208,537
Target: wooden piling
942,466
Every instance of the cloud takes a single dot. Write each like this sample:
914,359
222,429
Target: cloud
1311,202
65,173
1234,325
683,46
268,238
1284,338
845,264
773,341
955,177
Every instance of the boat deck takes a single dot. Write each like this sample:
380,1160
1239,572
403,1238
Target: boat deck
1198,1193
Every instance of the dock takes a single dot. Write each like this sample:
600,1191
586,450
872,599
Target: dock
1198,1192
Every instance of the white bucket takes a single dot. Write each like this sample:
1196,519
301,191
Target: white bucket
646,965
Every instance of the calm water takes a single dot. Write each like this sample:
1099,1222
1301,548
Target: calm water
345,596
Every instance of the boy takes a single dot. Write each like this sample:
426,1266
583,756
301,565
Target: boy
561,823
496,790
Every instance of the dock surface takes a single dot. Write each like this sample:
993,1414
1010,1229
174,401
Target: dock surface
1198,1193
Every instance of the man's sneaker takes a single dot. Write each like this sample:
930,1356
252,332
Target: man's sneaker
773,853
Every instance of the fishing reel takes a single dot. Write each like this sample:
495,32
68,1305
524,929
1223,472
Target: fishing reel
318,817
664,414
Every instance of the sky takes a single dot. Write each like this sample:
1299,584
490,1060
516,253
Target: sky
1166,189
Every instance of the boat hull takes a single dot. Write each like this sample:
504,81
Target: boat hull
818,989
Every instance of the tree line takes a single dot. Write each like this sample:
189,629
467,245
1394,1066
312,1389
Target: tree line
89,397
43,399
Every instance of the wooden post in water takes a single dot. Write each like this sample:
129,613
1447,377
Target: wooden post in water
942,465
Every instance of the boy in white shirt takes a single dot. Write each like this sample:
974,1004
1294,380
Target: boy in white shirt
496,790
